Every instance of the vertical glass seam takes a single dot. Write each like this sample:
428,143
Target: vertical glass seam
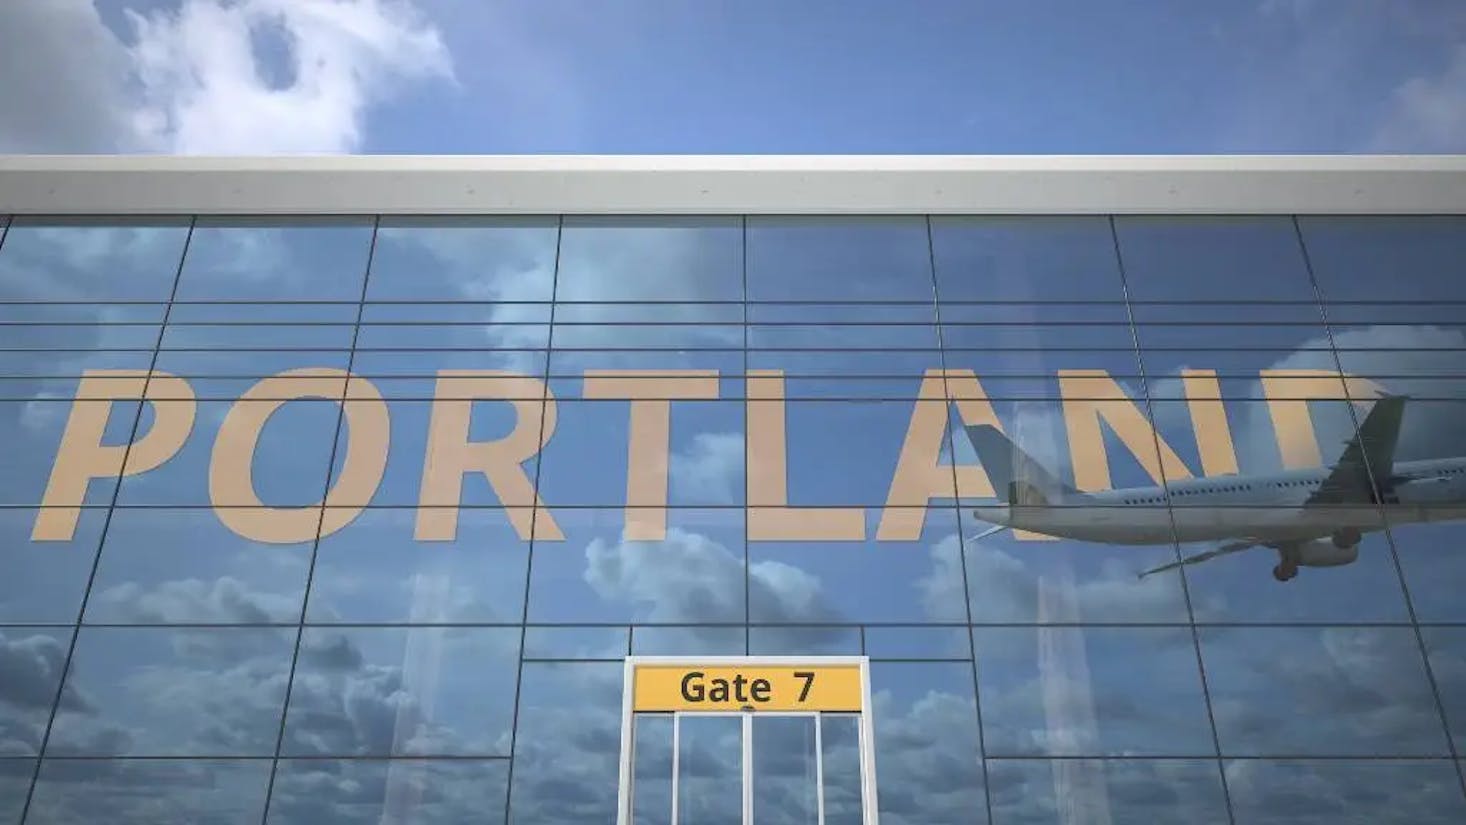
534,519
951,434
310,572
747,550
106,523
1435,690
1171,517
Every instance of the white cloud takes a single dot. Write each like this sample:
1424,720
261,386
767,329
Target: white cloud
193,80
711,469
1428,112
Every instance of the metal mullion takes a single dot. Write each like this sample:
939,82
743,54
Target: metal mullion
747,771
961,542
320,524
747,550
106,524
533,522
676,767
819,768
1171,517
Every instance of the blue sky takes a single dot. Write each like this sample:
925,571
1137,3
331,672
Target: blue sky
451,76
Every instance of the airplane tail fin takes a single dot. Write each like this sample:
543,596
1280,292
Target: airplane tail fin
1017,477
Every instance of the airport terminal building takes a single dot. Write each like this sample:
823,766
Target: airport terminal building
702,490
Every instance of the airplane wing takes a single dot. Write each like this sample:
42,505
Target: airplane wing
1371,449
1225,549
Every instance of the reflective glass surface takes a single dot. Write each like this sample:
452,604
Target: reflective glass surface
1137,518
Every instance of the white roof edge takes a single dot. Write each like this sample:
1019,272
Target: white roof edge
732,184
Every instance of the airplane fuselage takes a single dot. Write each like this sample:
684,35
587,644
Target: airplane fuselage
1264,508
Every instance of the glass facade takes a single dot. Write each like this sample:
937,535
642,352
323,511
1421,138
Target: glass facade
355,520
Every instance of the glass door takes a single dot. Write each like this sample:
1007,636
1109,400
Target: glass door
739,764
746,769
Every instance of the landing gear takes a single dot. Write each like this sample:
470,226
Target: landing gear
1346,538
1285,571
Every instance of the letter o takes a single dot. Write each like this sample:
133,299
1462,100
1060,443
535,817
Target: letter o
231,467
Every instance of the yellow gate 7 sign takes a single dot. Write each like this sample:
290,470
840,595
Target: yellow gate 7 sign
693,687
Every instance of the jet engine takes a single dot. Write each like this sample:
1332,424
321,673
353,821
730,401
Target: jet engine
1316,553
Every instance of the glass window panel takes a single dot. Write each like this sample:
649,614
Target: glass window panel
1433,564
1109,790
598,574
1210,325
288,465
410,427
1113,436
567,750
1026,327
927,742
1036,372
1003,258
840,745
336,313
419,691
650,259
414,375
588,459
803,640
1302,792
1425,527
471,315
360,791
1212,258
33,376
823,466
785,784
99,335
709,768
917,643
1025,577
652,773
569,369
411,422
101,314
1092,691
1446,647
15,783
1333,691
172,566
1242,374
839,258
1295,431
225,376
31,662
455,326
1395,258
268,259
174,692
45,579
376,569
136,792
907,365
880,579
842,326
505,259
247,335
82,260
31,458
576,642
688,641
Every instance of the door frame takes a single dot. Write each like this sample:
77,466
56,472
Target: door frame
866,747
